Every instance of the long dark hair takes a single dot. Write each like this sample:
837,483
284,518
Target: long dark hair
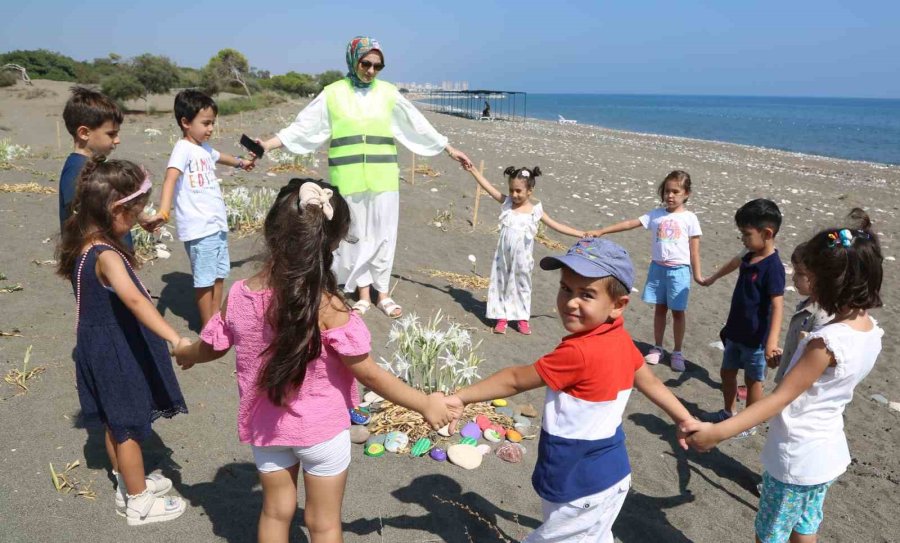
300,241
845,276
100,183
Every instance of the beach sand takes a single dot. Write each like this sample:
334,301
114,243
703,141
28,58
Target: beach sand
593,177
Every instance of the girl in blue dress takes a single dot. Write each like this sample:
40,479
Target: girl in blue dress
123,370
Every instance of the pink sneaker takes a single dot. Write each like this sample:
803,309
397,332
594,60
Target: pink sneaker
524,328
653,356
500,327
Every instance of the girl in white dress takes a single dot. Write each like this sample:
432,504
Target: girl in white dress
509,296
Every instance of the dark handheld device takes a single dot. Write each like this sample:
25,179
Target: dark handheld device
252,146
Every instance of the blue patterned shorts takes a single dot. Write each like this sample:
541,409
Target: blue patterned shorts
786,508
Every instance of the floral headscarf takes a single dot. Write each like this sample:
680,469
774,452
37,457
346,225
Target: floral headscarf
359,47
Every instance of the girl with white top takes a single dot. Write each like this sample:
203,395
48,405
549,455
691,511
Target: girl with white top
676,253
363,116
509,294
806,449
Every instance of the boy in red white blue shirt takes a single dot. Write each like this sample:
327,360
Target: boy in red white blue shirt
582,472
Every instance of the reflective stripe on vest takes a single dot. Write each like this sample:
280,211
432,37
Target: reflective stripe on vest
362,156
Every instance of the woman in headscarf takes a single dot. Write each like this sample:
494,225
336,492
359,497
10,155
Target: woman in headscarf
364,116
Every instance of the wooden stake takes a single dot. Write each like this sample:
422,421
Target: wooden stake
58,141
412,171
477,197
242,120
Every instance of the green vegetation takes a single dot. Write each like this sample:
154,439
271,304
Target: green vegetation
259,100
7,79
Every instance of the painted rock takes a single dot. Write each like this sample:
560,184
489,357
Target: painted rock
444,431
438,454
471,441
376,438
464,456
375,450
491,435
527,410
394,441
514,436
499,402
505,411
358,434
484,448
499,429
470,430
483,422
421,447
519,419
359,416
372,397
510,452
524,429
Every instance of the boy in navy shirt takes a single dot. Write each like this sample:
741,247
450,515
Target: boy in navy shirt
757,305
93,120
582,471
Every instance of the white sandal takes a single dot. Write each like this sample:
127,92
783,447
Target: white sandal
158,484
388,306
145,508
361,306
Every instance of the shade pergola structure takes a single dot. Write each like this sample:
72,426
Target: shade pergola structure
505,105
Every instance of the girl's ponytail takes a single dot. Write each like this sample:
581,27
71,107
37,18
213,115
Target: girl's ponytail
300,238
510,171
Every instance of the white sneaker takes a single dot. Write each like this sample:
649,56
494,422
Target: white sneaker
653,356
156,483
145,508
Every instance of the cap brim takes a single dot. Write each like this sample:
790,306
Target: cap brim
576,264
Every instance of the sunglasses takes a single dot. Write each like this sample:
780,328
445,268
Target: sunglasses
366,65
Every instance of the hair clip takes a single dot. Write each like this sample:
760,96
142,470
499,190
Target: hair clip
844,237
524,174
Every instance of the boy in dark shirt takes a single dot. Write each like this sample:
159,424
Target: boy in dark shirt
93,120
757,305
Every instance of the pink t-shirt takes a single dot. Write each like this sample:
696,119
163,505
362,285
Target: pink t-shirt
314,413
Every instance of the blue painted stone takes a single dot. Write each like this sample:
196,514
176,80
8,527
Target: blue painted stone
471,430
438,454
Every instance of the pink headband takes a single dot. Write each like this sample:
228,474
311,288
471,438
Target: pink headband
144,189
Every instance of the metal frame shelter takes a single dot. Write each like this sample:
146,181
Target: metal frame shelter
505,105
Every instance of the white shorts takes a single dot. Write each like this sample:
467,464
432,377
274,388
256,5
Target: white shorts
586,520
325,459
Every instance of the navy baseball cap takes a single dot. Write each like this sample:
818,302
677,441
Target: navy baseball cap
595,257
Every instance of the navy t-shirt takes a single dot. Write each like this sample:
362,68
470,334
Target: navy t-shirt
68,180
751,303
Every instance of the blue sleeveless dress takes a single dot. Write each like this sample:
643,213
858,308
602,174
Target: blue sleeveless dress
123,370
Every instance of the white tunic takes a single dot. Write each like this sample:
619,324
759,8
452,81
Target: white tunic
374,216
806,444
509,294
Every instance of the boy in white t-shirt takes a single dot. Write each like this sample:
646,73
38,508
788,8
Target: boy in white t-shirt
191,182
676,254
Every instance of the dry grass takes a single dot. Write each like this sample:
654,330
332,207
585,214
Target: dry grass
478,517
459,279
19,378
15,332
394,418
33,188
427,170
65,482
11,288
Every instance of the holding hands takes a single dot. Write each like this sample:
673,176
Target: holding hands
439,411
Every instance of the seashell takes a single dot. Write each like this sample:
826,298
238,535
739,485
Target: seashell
484,448
510,452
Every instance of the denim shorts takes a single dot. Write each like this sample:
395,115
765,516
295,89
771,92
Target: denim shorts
325,459
209,258
786,508
668,286
750,359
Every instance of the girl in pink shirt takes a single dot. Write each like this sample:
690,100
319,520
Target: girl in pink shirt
298,349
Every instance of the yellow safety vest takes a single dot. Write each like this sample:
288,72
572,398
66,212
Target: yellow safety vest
362,156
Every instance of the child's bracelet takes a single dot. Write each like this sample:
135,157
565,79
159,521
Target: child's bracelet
164,215
240,162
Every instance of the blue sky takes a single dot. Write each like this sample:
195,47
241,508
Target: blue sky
786,48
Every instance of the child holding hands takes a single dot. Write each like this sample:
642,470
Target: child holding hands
509,294
582,473
299,347
676,256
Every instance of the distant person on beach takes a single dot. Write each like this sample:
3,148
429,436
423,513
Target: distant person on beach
123,370
93,120
486,112
364,116
582,473
509,294
201,221
299,347
676,256
806,449
751,332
